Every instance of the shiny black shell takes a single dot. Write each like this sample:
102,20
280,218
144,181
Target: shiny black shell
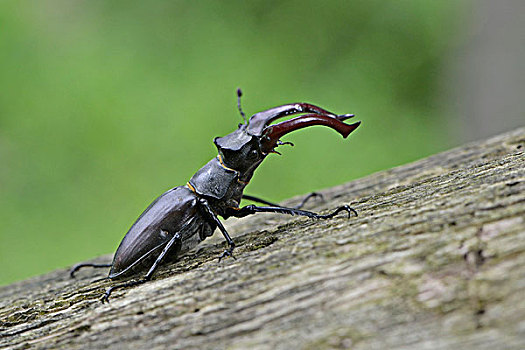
174,211
213,180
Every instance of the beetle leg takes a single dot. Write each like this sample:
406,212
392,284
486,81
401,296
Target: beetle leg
258,200
107,293
307,198
299,206
252,209
215,221
77,267
177,239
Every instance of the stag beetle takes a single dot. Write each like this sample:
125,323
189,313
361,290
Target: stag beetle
185,215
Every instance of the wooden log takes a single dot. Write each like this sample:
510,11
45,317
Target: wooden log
435,260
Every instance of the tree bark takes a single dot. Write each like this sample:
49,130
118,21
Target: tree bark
436,260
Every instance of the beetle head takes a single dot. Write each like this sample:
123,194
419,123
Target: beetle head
240,151
245,148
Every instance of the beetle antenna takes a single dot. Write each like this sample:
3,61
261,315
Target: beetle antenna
239,94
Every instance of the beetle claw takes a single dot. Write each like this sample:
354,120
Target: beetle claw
105,297
227,252
346,208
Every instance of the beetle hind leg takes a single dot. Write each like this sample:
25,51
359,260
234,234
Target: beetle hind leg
77,267
299,206
177,240
107,293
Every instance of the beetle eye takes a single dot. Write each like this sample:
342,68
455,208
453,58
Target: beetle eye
253,155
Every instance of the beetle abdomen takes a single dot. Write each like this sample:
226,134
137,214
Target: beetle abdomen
174,211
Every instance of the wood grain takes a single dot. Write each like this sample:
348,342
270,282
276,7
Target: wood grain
435,260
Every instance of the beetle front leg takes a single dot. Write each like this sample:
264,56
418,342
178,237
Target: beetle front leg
214,220
252,209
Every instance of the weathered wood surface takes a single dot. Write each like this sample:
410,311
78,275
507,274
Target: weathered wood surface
435,260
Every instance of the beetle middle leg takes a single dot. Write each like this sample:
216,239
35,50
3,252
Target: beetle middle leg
210,215
299,206
177,240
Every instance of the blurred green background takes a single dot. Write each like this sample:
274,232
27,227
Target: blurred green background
104,105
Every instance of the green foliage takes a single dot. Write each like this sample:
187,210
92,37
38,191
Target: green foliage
105,105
